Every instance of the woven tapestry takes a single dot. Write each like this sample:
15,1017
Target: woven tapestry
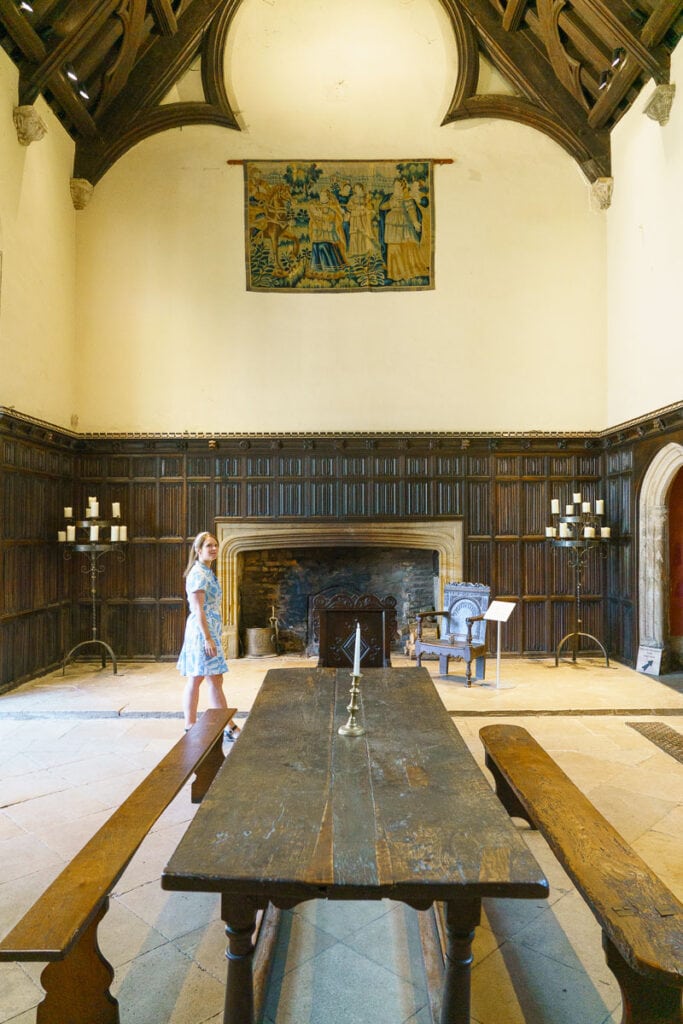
339,226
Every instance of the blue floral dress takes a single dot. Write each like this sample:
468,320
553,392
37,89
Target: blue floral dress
193,660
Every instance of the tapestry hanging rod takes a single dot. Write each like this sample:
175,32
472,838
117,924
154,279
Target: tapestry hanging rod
433,160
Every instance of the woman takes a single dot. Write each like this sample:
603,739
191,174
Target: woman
201,656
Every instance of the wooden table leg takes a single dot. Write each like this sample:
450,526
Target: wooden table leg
462,917
239,916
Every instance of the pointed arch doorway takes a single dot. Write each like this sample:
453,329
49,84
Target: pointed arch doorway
654,570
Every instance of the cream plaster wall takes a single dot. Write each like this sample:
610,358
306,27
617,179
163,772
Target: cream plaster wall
37,290
511,339
645,259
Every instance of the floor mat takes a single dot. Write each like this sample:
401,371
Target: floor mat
666,738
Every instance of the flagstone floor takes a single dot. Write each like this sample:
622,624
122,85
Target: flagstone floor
73,746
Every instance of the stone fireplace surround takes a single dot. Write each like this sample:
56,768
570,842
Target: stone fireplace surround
237,536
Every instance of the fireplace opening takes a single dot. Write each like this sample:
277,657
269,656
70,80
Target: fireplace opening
285,581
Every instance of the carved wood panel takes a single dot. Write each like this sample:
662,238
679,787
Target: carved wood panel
259,499
535,508
507,573
535,624
291,499
142,629
479,508
478,563
507,508
172,560
171,509
200,506
353,499
448,498
535,582
323,495
172,619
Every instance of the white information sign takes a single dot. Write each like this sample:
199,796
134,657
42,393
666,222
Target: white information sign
500,611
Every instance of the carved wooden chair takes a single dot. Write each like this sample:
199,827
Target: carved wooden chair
463,630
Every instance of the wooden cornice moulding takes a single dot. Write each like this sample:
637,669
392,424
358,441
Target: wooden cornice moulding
664,420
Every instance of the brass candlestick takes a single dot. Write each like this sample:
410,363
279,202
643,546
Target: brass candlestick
352,728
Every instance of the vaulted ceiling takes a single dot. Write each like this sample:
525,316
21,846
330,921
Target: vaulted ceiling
105,66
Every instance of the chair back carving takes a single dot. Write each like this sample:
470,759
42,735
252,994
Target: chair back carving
461,601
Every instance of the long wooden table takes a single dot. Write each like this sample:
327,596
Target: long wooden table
298,812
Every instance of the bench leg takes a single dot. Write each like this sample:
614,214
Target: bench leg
443,664
240,923
77,987
206,772
462,917
645,1001
505,793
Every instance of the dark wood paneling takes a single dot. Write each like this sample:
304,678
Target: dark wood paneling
323,498
479,508
534,568
535,625
200,505
171,508
171,488
506,502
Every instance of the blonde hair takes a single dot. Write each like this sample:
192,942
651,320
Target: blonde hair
197,545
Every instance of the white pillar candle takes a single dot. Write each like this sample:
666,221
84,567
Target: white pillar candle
123,533
114,534
589,531
95,509
61,536
585,506
564,530
550,531
356,652
115,510
68,512
600,507
555,506
576,497
88,512
91,499
71,533
569,510
94,532
605,531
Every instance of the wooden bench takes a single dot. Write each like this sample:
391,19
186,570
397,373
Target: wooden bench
641,920
61,926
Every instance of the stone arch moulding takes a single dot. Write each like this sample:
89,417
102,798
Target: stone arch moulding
234,537
653,563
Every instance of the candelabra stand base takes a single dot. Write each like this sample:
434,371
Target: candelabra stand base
575,647
106,649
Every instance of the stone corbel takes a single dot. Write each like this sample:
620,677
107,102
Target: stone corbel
29,124
658,106
601,193
81,191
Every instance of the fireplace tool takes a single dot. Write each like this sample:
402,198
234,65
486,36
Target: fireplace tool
275,628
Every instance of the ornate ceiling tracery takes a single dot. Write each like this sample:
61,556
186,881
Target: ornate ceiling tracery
106,66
